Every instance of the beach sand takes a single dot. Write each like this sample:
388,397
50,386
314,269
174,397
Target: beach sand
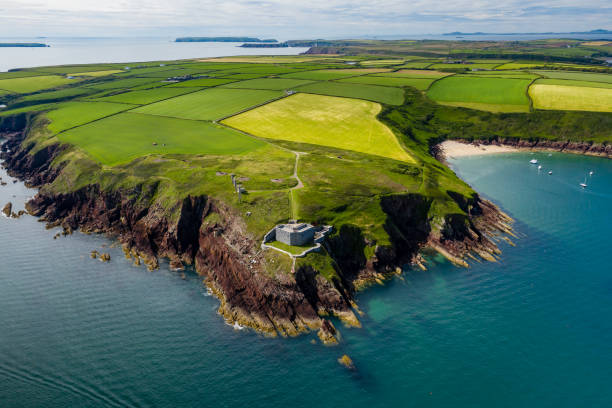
450,148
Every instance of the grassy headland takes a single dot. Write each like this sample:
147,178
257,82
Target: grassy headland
327,139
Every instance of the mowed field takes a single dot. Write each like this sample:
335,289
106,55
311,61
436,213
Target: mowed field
383,94
209,104
127,136
560,97
268,83
491,94
34,84
341,123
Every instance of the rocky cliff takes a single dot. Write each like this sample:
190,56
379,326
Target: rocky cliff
208,235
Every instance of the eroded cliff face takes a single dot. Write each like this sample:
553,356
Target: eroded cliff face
211,237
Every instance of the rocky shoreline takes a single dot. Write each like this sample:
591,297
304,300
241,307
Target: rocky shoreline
230,261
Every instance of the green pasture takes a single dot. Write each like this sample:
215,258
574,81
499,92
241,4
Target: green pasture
126,83
34,84
240,76
127,136
569,82
268,83
200,82
520,65
414,73
326,74
576,76
494,94
476,65
417,64
169,72
210,104
147,96
72,69
419,83
20,74
55,96
342,123
97,73
559,97
383,94
71,114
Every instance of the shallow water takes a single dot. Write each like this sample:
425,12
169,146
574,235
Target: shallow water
534,329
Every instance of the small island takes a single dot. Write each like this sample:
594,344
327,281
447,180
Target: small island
23,45
225,39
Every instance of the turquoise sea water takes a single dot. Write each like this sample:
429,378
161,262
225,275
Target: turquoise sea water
532,330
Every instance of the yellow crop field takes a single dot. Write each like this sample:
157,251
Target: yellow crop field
560,97
342,123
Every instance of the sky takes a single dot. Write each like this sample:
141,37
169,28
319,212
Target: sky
284,19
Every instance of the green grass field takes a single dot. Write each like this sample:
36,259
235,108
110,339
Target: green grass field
569,82
210,104
576,76
342,123
476,65
383,94
558,97
328,74
419,83
201,82
520,65
127,83
71,114
122,138
269,83
147,96
493,94
97,73
414,73
34,84
417,64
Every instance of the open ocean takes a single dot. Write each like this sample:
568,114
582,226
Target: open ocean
532,330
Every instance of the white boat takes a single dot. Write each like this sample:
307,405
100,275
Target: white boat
590,173
540,167
533,161
583,184
550,173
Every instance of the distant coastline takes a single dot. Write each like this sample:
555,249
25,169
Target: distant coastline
23,45
226,39
592,32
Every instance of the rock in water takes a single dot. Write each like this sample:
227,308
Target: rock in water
105,257
327,333
8,208
347,362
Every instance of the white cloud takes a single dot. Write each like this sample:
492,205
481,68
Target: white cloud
315,18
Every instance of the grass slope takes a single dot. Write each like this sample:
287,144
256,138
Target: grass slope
383,94
493,94
73,114
323,120
559,97
210,104
125,137
147,96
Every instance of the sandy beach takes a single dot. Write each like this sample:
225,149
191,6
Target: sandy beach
451,148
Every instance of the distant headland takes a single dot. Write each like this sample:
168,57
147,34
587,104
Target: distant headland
29,45
598,31
225,39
